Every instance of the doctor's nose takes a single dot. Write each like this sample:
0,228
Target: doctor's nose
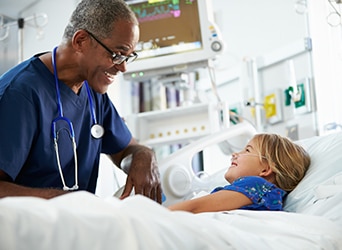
121,67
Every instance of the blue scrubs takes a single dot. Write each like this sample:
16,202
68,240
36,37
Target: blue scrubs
264,195
27,108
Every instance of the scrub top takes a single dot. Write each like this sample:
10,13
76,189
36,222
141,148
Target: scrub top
28,105
264,195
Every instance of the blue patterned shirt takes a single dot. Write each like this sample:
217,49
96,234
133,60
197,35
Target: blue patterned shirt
264,195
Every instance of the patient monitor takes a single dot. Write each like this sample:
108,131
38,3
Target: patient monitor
175,36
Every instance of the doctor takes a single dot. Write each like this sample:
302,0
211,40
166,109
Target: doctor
55,115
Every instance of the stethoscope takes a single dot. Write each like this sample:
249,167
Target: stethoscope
96,130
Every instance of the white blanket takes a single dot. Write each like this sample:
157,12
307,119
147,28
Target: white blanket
82,221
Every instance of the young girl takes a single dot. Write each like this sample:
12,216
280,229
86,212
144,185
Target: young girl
260,175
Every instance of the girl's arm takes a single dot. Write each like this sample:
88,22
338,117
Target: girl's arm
220,201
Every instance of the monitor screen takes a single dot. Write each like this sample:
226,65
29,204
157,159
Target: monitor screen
173,35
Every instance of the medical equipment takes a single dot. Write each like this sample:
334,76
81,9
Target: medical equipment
96,130
39,21
196,40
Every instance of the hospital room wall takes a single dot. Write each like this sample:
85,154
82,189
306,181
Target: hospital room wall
58,13
8,51
253,28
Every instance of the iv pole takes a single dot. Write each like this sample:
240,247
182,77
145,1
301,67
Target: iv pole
21,23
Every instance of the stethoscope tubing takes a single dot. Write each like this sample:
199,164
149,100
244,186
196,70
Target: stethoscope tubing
54,64
59,102
55,133
91,104
98,129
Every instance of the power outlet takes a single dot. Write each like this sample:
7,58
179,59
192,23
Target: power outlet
303,104
272,107
301,100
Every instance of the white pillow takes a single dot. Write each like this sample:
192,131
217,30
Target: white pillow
326,163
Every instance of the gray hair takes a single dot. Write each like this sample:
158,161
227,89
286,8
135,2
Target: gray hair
98,17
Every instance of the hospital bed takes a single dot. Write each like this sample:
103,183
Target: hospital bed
312,218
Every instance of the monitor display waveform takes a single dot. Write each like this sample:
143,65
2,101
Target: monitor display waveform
175,36
167,27
156,11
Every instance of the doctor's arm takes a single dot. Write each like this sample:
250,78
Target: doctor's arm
223,200
143,173
8,188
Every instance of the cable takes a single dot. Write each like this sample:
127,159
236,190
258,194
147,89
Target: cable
212,76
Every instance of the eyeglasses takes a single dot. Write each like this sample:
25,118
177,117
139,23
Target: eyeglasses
116,58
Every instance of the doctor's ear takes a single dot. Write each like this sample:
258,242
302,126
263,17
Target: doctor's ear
79,39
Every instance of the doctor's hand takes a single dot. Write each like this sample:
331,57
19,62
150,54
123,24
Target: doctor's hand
143,175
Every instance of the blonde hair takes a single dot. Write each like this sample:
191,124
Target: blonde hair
288,161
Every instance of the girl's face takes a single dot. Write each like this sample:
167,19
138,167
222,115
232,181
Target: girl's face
246,163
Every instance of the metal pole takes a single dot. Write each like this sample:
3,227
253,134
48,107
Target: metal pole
21,23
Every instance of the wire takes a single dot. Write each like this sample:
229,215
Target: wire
212,76
243,118
240,118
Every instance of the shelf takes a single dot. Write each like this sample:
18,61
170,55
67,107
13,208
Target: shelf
181,124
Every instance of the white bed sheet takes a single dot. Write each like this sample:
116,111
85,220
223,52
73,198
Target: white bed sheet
82,221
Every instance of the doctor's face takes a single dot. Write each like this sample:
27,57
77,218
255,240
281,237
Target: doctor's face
109,56
247,162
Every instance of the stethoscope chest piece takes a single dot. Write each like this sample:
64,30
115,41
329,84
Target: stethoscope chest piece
97,131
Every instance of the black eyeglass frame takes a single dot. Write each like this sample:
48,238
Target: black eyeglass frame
116,58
